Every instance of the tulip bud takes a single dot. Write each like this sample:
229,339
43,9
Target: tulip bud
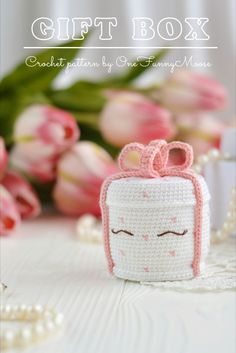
130,117
187,91
202,131
9,216
80,174
41,126
26,200
3,157
39,168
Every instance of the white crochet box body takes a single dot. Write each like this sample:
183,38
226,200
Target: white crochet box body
152,227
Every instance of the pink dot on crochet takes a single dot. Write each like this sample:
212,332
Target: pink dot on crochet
172,253
145,237
173,219
145,195
146,269
122,220
121,252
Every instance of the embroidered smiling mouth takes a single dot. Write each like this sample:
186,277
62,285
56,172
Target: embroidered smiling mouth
172,232
122,231
159,235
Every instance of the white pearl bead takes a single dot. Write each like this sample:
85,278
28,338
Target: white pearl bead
59,318
82,232
86,221
203,159
37,311
22,312
14,314
49,325
230,215
24,336
7,338
38,330
5,311
197,168
218,234
214,154
48,313
95,235
29,314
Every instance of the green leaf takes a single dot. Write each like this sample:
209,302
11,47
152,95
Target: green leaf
24,85
83,99
140,66
25,78
44,191
11,107
90,119
85,85
7,117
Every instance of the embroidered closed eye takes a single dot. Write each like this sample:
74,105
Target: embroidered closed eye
172,232
122,231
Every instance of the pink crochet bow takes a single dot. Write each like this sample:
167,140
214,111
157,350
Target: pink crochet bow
153,158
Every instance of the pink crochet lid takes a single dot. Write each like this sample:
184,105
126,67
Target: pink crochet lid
153,163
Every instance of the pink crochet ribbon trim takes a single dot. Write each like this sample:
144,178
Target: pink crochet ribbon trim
153,164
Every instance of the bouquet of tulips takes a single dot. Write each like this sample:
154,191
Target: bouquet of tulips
60,144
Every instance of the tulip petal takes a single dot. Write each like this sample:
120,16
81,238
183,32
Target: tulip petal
9,216
25,197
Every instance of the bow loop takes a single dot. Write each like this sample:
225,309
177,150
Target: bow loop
122,159
154,157
165,152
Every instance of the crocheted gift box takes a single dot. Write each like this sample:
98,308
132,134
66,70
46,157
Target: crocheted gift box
156,217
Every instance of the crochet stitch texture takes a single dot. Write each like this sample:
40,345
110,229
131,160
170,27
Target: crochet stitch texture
138,205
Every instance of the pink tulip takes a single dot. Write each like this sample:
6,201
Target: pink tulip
33,166
202,131
41,126
81,172
132,117
3,157
9,216
25,197
187,91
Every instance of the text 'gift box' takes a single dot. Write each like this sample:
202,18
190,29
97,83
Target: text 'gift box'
156,217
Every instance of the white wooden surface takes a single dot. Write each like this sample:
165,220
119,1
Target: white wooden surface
44,263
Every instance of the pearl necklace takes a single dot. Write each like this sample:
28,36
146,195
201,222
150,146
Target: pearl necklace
43,322
89,229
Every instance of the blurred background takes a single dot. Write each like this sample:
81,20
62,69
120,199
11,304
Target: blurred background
17,17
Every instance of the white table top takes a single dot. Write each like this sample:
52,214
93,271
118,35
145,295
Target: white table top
44,263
